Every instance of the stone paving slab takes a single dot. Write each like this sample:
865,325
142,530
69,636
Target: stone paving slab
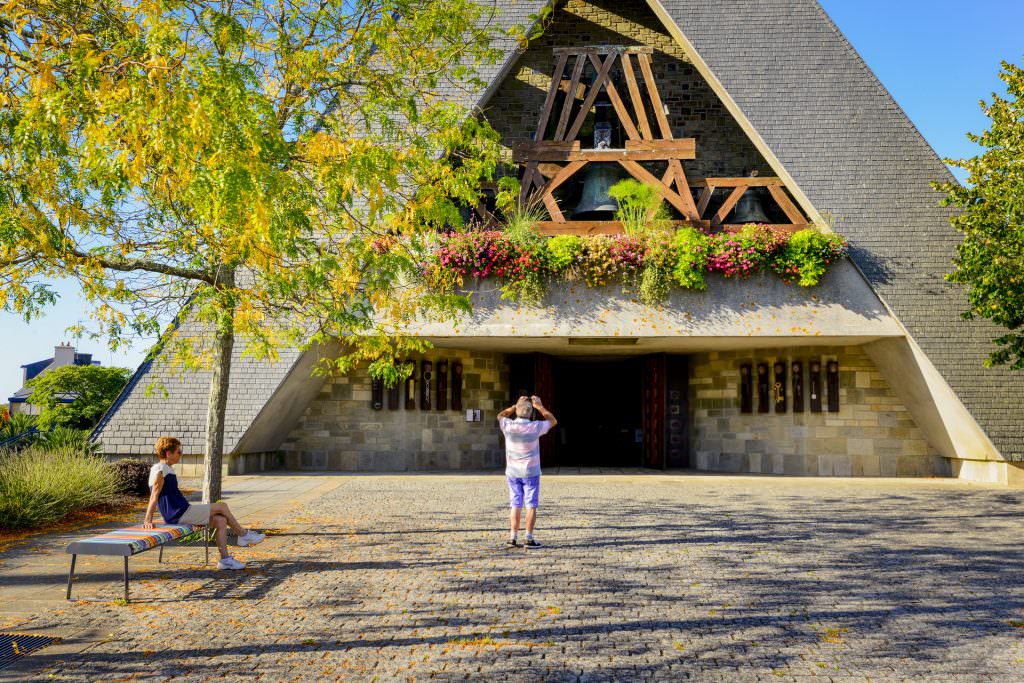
644,577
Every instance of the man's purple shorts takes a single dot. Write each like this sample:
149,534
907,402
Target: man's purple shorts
523,489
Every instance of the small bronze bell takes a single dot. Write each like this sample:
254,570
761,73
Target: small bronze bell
596,203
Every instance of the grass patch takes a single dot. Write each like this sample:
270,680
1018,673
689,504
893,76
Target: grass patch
40,486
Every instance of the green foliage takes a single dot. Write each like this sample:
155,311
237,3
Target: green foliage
19,423
564,253
806,256
640,206
40,486
131,477
67,438
990,259
520,222
691,248
92,387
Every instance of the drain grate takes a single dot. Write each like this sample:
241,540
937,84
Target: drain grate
14,646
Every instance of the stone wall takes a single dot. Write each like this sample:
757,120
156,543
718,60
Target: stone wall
341,431
871,435
723,149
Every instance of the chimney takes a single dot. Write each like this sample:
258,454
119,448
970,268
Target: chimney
64,354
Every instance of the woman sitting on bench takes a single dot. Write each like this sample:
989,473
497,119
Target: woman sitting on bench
163,484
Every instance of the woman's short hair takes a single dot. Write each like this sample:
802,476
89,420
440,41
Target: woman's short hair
165,445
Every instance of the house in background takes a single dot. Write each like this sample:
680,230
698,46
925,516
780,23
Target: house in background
63,354
872,373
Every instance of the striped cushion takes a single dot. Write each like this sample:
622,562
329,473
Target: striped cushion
132,540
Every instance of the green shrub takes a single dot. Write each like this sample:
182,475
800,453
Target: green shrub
40,486
807,255
19,423
564,253
640,206
691,249
520,222
66,438
131,477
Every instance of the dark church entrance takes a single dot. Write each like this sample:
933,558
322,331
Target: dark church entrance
625,411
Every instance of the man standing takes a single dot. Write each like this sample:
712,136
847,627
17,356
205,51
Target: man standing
522,458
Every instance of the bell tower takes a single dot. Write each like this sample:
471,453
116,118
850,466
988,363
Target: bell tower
630,136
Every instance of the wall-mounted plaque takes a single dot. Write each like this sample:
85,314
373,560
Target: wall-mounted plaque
746,389
833,386
426,375
442,385
377,393
814,381
762,387
779,387
456,385
798,386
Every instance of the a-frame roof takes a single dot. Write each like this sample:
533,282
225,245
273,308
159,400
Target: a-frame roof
842,144
851,151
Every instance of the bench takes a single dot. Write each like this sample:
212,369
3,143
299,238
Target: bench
132,541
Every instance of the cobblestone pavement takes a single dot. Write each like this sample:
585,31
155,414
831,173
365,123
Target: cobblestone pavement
643,577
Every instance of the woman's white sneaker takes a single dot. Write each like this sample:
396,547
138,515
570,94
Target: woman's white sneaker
250,538
230,563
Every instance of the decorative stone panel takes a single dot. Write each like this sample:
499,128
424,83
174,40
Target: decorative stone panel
340,430
871,435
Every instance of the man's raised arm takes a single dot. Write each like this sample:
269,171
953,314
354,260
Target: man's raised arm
543,411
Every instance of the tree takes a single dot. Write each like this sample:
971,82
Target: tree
76,396
990,260
245,157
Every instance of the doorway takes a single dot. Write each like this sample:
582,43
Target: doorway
600,421
613,411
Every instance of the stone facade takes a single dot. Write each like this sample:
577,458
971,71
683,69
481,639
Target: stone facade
723,149
871,435
341,431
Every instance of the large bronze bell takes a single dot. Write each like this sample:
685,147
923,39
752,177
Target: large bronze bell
596,203
749,208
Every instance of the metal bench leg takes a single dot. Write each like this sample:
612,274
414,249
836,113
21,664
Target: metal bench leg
126,579
71,575
206,545
161,557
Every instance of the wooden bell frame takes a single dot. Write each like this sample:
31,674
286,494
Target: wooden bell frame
549,163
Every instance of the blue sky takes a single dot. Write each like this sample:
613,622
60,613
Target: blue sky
937,57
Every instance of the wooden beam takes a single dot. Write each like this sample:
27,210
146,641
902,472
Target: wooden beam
562,176
652,90
549,101
527,182
643,175
554,152
603,50
787,206
623,113
549,170
595,88
683,187
552,206
634,94
730,202
757,181
550,228
682,148
570,99
705,199
783,227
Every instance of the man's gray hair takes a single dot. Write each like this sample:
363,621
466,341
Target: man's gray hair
524,408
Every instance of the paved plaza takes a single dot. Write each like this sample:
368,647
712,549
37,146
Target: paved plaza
644,577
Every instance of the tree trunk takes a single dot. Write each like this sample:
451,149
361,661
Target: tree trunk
217,401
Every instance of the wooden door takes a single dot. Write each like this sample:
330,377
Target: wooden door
654,431
532,374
